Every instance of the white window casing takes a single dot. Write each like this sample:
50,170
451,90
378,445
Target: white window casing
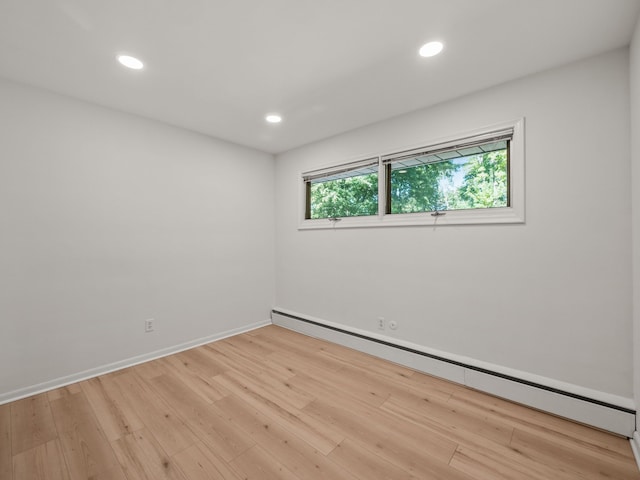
511,214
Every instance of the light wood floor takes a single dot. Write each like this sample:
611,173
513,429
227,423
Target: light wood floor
273,404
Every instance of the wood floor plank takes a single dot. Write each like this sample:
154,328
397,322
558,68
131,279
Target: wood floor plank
611,453
31,423
217,357
278,369
278,333
418,451
390,385
421,380
179,396
63,391
235,360
492,460
459,425
6,469
258,464
292,451
148,370
583,464
283,393
114,413
484,464
308,365
44,462
365,464
198,462
158,417
365,362
287,342
311,358
342,382
535,421
254,332
201,362
250,345
86,450
204,419
201,385
142,458
513,462
317,433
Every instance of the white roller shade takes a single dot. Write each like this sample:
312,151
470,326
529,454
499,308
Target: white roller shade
486,142
346,170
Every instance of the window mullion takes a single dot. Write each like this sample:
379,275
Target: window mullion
307,202
387,188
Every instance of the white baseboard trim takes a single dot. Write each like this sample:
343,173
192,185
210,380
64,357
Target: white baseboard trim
635,446
599,409
119,365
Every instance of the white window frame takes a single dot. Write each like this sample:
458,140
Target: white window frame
514,213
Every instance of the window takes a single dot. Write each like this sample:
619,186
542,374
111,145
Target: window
467,179
473,173
349,190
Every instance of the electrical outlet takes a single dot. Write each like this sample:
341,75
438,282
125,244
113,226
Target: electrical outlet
393,324
380,323
148,325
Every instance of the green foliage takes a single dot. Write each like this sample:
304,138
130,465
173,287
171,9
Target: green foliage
346,197
485,182
478,181
418,189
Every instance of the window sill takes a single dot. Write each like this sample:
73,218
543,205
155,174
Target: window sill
490,216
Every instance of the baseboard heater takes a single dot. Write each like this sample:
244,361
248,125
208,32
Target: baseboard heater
600,414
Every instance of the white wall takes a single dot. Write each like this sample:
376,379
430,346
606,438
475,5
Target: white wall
551,297
635,179
107,219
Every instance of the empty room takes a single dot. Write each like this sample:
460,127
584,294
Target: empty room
293,239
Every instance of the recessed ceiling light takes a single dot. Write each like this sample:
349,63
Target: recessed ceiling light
273,118
130,62
430,49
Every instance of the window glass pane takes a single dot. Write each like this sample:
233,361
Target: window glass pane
451,180
350,194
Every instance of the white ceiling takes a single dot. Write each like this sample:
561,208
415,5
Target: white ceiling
328,66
